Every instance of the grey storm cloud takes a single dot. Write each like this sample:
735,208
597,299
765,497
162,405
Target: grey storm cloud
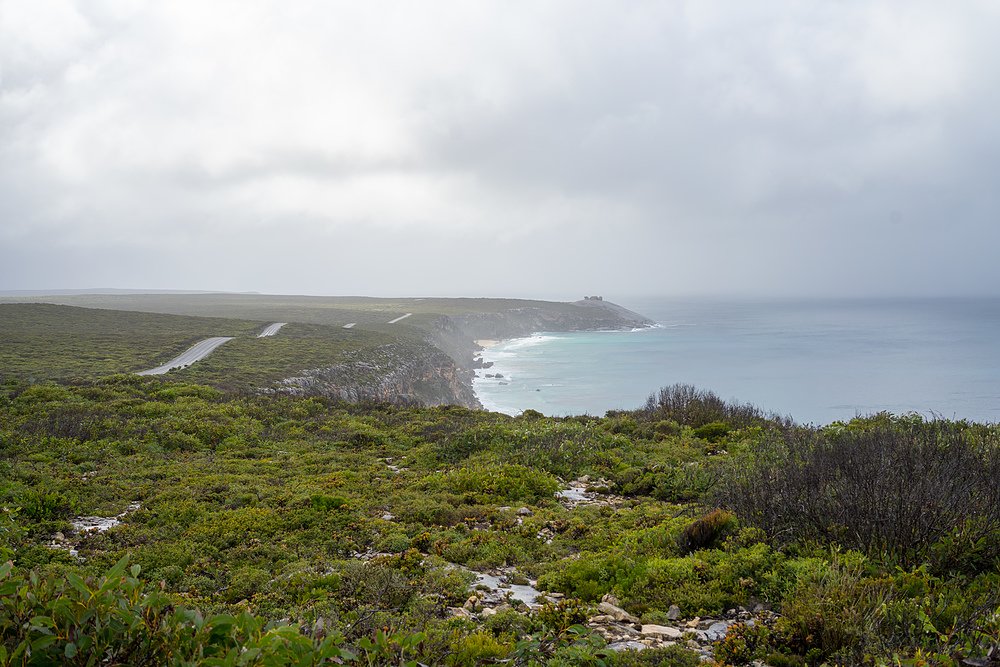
514,148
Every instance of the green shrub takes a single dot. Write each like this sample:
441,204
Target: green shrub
72,621
487,482
713,432
39,506
705,532
394,543
833,608
560,616
743,644
670,656
322,503
509,624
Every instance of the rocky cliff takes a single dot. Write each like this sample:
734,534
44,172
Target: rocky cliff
399,373
440,371
457,334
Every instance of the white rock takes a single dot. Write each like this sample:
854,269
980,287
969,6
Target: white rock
662,631
618,613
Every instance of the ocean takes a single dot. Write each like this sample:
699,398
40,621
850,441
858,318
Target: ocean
818,361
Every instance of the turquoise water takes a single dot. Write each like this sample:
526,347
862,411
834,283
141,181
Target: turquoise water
818,361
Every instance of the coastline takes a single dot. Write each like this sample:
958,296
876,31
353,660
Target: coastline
559,373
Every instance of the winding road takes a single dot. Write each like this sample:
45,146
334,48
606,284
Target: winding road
271,330
196,352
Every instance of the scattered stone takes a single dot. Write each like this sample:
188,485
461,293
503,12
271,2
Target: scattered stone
716,631
611,599
524,511
461,612
602,619
626,646
487,612
662,631
617,613
674,612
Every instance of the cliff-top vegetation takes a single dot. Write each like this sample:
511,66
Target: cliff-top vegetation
343,523
260,528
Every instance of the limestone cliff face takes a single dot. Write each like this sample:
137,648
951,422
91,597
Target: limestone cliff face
457,334
439,372
400,374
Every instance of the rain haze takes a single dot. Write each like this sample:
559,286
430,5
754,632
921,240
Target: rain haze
535,149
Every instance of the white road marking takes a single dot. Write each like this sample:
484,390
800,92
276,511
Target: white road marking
197,352
271,330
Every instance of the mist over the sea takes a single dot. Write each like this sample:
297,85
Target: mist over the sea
819,361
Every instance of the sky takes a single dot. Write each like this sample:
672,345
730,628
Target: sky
540,149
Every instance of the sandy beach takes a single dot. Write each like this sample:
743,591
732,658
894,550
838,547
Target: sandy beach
486,343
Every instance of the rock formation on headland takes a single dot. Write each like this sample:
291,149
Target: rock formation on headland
457,334
441,372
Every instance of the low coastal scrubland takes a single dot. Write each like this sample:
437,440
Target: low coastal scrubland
276,529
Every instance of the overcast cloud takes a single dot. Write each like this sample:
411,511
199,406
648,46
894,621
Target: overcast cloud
515,148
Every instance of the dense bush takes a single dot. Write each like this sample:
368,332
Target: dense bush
688,406
268,510
911,491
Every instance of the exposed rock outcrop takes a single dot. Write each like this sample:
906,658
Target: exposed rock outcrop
457,334
400,374
440,371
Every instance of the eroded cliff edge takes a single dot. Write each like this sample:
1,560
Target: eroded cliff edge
457,334
440,371
399,373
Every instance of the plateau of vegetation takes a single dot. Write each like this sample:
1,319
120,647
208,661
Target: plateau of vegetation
874,541
264,528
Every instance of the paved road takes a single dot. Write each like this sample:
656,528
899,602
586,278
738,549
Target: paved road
271,330
197,352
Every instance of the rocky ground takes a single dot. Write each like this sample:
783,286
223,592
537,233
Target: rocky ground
622,631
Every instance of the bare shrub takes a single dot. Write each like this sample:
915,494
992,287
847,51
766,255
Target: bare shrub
686,405
903,490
